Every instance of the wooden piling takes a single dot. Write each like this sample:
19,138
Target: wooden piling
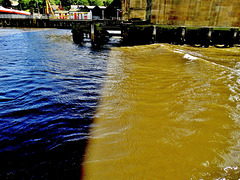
137,34
154,33
92,34
134,34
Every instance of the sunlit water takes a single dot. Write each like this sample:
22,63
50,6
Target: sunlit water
167,112
160,111
49,90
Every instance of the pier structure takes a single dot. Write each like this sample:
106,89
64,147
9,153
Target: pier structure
134,31
43,22
193,22
98,32
198,23
138,34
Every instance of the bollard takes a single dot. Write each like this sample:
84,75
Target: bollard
92,34
154,33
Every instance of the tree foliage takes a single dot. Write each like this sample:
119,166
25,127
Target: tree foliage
41,4
5,3
67,3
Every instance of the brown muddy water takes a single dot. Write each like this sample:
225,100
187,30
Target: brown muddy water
167,112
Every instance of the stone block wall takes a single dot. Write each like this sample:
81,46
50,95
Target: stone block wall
187,12
134,9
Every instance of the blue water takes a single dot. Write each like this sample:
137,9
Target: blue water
49,91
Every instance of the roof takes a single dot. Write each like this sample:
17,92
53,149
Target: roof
102,7
90,7
13,11
61,12
76,8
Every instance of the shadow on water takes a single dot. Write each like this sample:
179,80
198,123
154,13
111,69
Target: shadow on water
49,93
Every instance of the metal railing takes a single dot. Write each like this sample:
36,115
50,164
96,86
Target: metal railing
19,16
14,16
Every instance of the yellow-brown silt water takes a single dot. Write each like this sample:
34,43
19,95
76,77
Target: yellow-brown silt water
167,112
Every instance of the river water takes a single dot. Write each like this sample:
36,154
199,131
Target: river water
49,91
144,112
167,112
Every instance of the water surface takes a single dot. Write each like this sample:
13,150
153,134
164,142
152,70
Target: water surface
49,91
160,111
167,112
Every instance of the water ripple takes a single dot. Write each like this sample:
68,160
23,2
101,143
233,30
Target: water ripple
49,91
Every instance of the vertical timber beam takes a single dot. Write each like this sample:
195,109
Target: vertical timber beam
154,33
92,33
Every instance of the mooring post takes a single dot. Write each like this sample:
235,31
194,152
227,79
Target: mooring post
154,33
92,33
209,37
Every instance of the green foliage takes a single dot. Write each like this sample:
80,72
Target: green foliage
6,3
107,2
68,3
41,4
34,4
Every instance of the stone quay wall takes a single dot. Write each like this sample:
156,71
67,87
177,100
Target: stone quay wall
185,12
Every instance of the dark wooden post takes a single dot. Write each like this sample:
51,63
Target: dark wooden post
154,33
92,30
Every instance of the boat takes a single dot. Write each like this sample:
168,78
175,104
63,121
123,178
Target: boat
13,11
